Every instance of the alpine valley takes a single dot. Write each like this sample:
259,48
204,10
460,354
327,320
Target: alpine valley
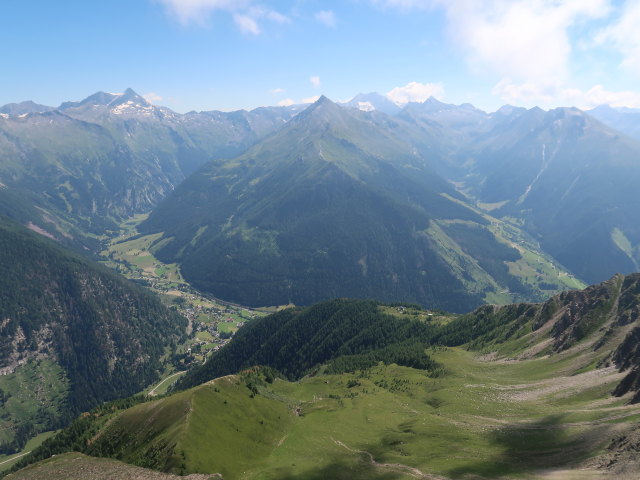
355,290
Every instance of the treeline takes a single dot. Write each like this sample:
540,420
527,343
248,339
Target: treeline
348,334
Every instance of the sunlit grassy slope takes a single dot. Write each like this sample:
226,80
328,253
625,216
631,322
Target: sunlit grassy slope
484,417
526,394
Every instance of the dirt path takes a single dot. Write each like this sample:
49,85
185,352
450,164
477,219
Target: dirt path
16,457
414,472
152,392
282,440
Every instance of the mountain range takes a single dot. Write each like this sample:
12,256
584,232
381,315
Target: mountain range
87,165
439,204
333,205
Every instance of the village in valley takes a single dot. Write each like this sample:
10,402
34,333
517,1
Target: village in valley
212,323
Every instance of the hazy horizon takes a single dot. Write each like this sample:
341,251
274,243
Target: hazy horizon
217,54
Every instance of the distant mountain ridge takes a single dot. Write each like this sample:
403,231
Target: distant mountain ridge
24,108
89,164
561,176
625,120
569,178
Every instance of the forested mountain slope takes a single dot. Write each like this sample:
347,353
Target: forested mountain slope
570,179
72,334
335,205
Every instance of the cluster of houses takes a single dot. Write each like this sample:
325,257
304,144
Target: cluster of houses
216,315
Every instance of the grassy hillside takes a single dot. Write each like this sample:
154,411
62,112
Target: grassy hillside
534,391
485,418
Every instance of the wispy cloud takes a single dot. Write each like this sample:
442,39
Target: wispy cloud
327,18
195,11
246,24
527,39
530,44
276,91
315,81
271,15
415,92
548,95
313,99
246,14
286,102
152,97
524,39
624,35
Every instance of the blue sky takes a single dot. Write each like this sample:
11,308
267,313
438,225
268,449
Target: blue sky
230,54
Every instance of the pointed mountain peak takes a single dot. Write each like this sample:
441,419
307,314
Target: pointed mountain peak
322,104
322,116
322,112
323,100
106,99
129,95
433,104
432,101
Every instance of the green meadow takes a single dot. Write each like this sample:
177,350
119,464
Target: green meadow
482,418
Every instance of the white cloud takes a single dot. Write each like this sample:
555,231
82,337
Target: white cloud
286,102
526,39
272,15
315,81
415,92
188,11
548,95
523,39
327,18
245,13
405,4
311,99
246,24
624,35
276,91
152,97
